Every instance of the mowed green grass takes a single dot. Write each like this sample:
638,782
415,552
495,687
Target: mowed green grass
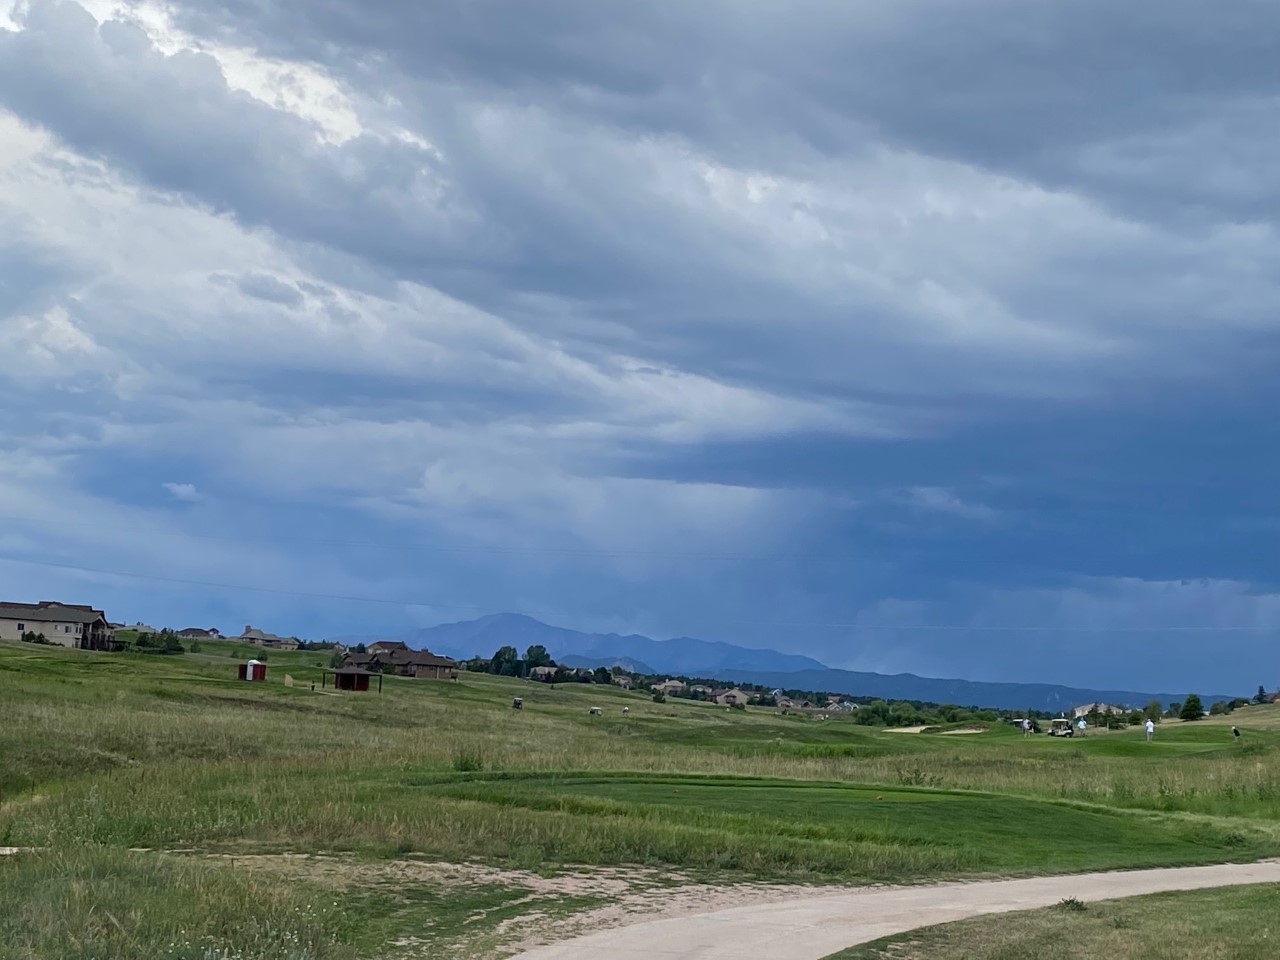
838,831
103,753
1233,923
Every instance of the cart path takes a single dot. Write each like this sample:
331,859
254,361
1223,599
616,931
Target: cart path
817,925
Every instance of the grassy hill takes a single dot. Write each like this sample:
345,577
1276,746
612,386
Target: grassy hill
130,775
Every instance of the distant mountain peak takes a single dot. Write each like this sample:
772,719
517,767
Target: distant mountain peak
689,655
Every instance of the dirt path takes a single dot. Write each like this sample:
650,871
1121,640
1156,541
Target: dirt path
816,925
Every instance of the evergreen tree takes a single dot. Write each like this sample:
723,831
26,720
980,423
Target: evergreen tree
537,656
506,662
1192,708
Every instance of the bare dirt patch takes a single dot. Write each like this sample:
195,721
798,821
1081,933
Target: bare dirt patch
629,894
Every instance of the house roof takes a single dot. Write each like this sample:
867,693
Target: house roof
419,658
390,644
350,671
48,612
253,633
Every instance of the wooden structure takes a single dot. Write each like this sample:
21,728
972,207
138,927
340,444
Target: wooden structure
350,678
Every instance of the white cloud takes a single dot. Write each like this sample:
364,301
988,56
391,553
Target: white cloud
942,500
185,492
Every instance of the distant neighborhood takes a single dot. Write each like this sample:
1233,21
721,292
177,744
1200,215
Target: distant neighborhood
85,627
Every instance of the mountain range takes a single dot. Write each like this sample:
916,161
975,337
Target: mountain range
690,657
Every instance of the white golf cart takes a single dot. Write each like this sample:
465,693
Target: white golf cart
1061,727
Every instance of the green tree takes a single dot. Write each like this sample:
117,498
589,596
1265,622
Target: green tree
1192,708
335,661
505,662
1261,695
537,656
1153,710
602,675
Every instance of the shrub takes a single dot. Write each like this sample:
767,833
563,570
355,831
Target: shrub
659,697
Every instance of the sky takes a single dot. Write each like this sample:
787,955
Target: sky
914,337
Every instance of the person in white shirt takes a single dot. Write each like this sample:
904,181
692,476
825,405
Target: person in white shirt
1080,725
1151,729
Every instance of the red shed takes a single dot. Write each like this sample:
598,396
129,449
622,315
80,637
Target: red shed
350,678
253,670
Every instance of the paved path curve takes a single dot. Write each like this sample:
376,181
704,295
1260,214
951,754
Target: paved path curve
820,924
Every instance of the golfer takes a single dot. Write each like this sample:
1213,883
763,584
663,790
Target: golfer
1026,728
1151,729
1235,732
1080,725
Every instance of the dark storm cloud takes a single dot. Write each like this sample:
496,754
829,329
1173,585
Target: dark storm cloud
967,309
1010,86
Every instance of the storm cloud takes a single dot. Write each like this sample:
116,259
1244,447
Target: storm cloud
868,331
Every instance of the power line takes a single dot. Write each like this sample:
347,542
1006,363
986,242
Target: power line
846,625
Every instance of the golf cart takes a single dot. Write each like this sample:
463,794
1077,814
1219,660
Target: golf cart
1061,727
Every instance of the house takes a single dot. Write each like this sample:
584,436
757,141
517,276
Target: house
386,646
730,696
543,673
403,663
264,639
141,628
624,681
700,688
786,703
199,633
1103,708
419,663
669,687
66,624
